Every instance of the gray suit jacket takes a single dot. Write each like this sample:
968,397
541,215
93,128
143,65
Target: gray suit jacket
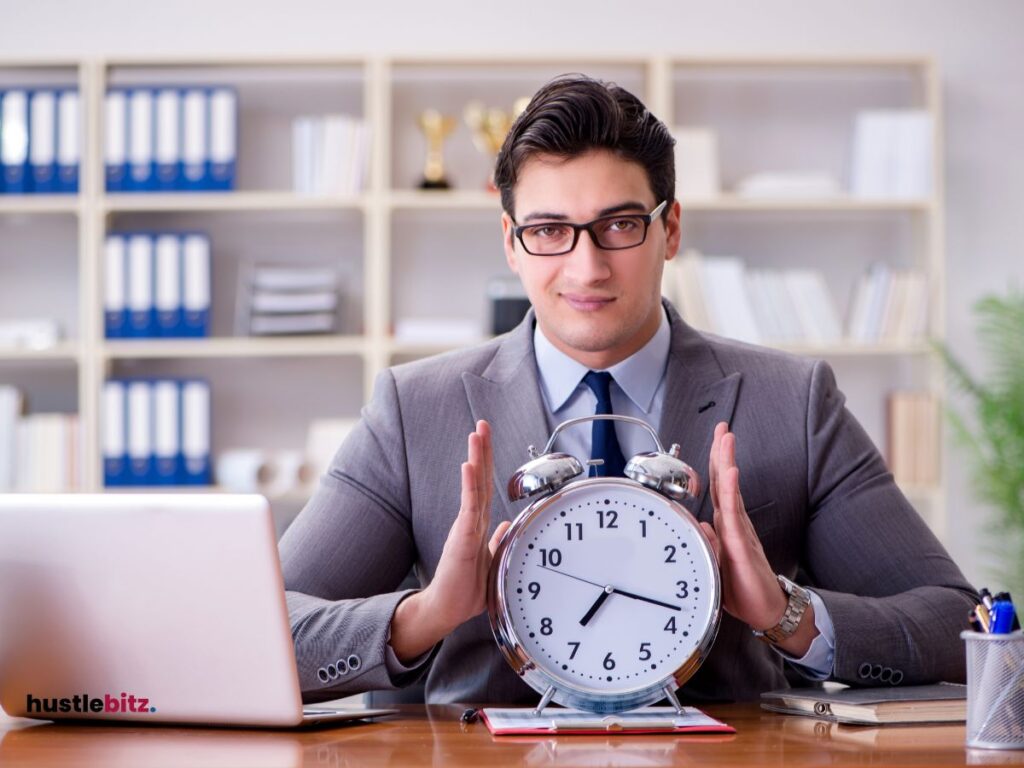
817,491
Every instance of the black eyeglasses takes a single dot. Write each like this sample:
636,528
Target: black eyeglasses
611,233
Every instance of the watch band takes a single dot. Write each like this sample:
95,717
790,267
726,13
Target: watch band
799,599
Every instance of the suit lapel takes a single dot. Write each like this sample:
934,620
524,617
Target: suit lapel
507,394
698,395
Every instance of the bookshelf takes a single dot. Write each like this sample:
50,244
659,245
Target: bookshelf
397,245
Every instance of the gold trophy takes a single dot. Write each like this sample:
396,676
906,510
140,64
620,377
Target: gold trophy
490,125
436,127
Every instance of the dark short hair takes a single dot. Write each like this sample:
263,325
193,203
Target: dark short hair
573,114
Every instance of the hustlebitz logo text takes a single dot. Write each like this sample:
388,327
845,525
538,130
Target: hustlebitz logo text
83,703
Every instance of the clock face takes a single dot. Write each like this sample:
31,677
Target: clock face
609,588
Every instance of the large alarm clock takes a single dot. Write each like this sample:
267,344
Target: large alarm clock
604,594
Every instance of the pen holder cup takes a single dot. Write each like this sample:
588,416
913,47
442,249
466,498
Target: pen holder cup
995,690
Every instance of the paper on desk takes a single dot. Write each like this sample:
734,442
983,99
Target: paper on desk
573,721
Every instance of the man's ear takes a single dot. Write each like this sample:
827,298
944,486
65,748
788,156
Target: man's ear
508,242
673,231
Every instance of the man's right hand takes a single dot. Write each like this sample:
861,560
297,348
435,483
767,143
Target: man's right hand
458,591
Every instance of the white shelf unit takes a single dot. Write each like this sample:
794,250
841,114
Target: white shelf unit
400,246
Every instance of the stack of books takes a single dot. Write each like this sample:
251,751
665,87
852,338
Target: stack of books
290,300
892,155
889,305
39,452
913,438
890,705
40,140
330,154
720,295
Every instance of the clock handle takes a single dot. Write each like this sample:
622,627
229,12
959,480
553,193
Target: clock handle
603,416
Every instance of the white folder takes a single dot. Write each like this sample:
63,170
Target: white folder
196,285
42,146
195,431
194,140
223,137
140,139
168,137
168,285
14,140
69,148
115,127
166,431
115,266
140,432
114,436
140,286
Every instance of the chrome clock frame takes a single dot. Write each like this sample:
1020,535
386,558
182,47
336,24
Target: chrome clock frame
547,682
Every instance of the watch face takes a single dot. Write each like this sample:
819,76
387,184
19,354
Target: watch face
610,590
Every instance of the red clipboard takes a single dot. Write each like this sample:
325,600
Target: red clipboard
569,722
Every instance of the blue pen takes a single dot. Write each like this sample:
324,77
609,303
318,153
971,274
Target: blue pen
1002,614
1016,616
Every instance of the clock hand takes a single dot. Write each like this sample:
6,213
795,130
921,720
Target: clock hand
624,593
618,591
563,573
597,604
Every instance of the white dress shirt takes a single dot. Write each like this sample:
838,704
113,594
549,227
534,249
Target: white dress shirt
638,389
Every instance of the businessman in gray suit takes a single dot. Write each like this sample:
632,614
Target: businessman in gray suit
824,563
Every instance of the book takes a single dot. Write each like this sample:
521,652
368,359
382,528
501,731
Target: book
520,721
268,325
696,152
938,703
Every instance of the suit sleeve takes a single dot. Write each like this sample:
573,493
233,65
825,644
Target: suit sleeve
896,599
344,556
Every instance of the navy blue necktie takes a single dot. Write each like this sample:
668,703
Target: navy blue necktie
603,442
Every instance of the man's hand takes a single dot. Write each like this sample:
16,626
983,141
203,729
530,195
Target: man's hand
750,591
459,588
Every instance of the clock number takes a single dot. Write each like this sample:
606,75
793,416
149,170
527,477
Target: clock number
683,591
609,662
545,626
534,588
552,557
645,651
643,529
575,647
613,517
671,626
671,558
568,531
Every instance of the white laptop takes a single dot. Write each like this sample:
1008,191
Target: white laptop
147,608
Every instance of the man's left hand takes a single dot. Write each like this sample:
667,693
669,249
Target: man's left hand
750,589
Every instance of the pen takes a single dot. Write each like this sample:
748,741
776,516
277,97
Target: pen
986,598
1002,614
984,617
1016,616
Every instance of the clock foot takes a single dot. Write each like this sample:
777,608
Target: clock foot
671,695
544,700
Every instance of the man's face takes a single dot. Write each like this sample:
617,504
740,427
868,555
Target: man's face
596,306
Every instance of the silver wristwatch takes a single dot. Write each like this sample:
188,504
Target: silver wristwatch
799,599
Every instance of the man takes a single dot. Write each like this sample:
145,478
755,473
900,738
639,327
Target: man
587,179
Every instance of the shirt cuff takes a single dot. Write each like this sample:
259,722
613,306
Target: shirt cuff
402,674
396,668
819,661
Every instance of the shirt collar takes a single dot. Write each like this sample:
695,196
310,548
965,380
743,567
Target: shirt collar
638,375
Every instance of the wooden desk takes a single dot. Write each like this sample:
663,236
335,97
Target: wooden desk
433,736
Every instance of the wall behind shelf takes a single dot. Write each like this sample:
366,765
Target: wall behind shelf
975,45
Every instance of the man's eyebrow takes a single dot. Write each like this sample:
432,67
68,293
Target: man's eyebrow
629,205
